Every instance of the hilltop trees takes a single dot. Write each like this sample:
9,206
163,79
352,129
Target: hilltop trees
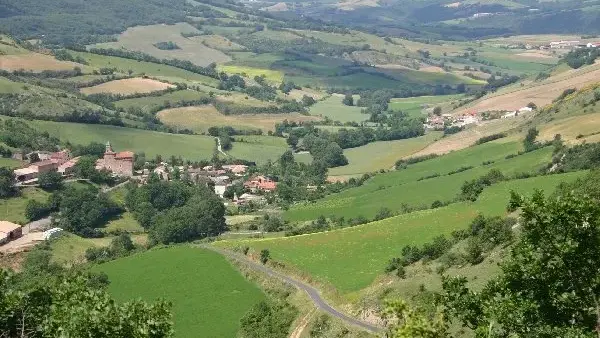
549,286
348,100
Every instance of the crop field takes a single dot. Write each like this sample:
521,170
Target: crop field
409,186
209,296
200,118
259,149
35,62
350,259
381,155
141,67
13,209
273,76
541,93
127,87
333,108
148,103
572,128
217,42
10,87
415,106
143,38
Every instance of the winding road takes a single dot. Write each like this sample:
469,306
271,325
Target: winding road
312,292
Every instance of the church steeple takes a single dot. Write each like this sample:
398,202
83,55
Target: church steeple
109,149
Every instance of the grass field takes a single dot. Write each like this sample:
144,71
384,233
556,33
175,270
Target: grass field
408,186
415,106
208,295
13,209
200,118
259,149
148,103
70,249
10,163
273,76
193,147
381,155
333,108
35,62
125,222
143,38
350,259
141,67
127,87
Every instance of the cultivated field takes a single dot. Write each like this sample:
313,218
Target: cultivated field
143,38
333,108
381,155
127,87
200,118
149,103
413,188
208,295
35,62
273,76
350,259
418,106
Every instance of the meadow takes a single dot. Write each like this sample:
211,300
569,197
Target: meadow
149,103
152,143
415,106
127,87
208,295
412,187
273,76
13,209
381,155
350,259
333,108
69,249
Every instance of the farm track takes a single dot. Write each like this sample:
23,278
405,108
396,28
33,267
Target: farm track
312,292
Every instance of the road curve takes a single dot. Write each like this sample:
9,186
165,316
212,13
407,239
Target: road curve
312,292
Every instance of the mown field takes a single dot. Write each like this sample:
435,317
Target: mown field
127,87
412,187
208,295
350,259
193,147
415,106
333,108
148,103
381,155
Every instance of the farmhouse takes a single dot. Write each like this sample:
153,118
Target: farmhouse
9,231
237,169
118,163
525,110
510,114
260,183
58,161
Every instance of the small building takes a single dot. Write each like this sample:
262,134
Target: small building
25,174
118,163
52,233
237,169
9,231
220,189
45,166
525,110
510,114
68,167
260,183
61,157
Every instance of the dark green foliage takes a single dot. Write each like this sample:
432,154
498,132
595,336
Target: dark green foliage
529,142
120,246
383,213
564,94
453,130
308,101
470,190
50,180
268,320
263,93
18,134
403,163
548,286
265,255
71,306
231,82
83,210
168,45
64,55
581,56
489,138
7,183
580,157
322,150
348,100
86,168
437,111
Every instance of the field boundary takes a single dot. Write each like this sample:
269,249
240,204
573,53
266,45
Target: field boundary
313,293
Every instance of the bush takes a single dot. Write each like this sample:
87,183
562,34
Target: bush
474,252
490,138
265,255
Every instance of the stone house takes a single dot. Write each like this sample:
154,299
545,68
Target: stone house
118,163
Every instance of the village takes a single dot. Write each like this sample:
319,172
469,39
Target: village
443,121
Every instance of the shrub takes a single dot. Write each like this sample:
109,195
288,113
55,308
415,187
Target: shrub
489,138
265,255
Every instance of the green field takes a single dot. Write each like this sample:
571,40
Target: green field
393,189
381,155
259,149
148,103
350,259
141,67
414,106
10,163
333,108
208,295
273,76
13,209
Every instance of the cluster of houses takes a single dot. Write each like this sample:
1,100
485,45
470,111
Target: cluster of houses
435,122
60,161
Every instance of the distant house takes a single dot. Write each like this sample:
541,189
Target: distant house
237,169
118,163
68,167
260,183
510,114
9,231
220,189
525,110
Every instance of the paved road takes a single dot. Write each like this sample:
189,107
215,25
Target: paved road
313,293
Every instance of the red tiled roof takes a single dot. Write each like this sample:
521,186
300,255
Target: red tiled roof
44,162
125,154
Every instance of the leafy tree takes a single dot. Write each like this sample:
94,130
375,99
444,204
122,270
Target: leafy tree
69,307
265,255
529,142
268,320
292,141
348,100
84,210
413,322
50,180
549,284
437,111
532,105
308,101
7,183
86,168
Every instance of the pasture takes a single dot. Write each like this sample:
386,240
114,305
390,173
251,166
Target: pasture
144,38
350,259
69,249
127,87
381,155
192,147
149,103
208,294
273,76
200,118
35,62
333,108
13,209
422,183
419,106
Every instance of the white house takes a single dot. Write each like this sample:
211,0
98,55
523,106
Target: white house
525,110
510,114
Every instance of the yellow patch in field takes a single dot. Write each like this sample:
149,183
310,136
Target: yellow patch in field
34,62
128,86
